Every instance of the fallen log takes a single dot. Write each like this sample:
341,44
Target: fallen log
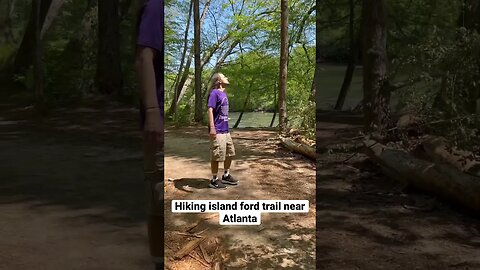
303,149
439,179
438,150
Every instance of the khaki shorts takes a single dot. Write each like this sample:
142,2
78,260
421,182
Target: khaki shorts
221,147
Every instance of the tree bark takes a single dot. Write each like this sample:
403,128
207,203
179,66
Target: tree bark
275,105
438,150
347,81
109,72
198,71
469,17
173,108
472,23
441,180
376,97
7,23
26,52
303,149
51,14
282,95
186,70
38,64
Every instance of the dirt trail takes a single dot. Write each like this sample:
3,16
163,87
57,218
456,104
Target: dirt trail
72,194
365,222
266,172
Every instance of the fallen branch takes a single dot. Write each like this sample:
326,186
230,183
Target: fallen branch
186,249
443,180
303,149
188,234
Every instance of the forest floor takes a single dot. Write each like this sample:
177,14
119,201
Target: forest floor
72,193
72,197
265,172
367,221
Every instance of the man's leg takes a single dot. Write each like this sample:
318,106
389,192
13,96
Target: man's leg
153,170
214,167
215,157
227,178
227,163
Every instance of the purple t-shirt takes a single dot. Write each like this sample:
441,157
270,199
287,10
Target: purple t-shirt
150,34
219,102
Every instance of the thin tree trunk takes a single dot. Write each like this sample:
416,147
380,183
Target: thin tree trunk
317,54
198,71
124,9
376,95
470,15
186,69
282,96
26,52
187,83
109,72
247,99
51,14
275,105
173,108
472,22
38,65
7,24
347,81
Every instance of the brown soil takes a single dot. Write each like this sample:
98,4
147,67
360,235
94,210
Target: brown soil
265,171
367,221
72,194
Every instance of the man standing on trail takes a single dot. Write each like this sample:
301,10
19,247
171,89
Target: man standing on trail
149,65
221,144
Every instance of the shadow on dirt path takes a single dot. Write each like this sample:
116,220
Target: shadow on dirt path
71,190
363,220
265,171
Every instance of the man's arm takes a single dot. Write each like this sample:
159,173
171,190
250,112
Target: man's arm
211,123
146,76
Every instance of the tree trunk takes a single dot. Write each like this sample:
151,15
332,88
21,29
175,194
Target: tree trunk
247,99
275,105
173,107
198,71
438,179
109,72
26,51
124,9
469,17
38,64
472,22
186,70
76,44
347,81
7,23
52,13
376,96
282,95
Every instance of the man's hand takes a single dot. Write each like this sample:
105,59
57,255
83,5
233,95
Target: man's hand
213,133
153,128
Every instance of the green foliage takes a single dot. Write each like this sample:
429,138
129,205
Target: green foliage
253,65
449,66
